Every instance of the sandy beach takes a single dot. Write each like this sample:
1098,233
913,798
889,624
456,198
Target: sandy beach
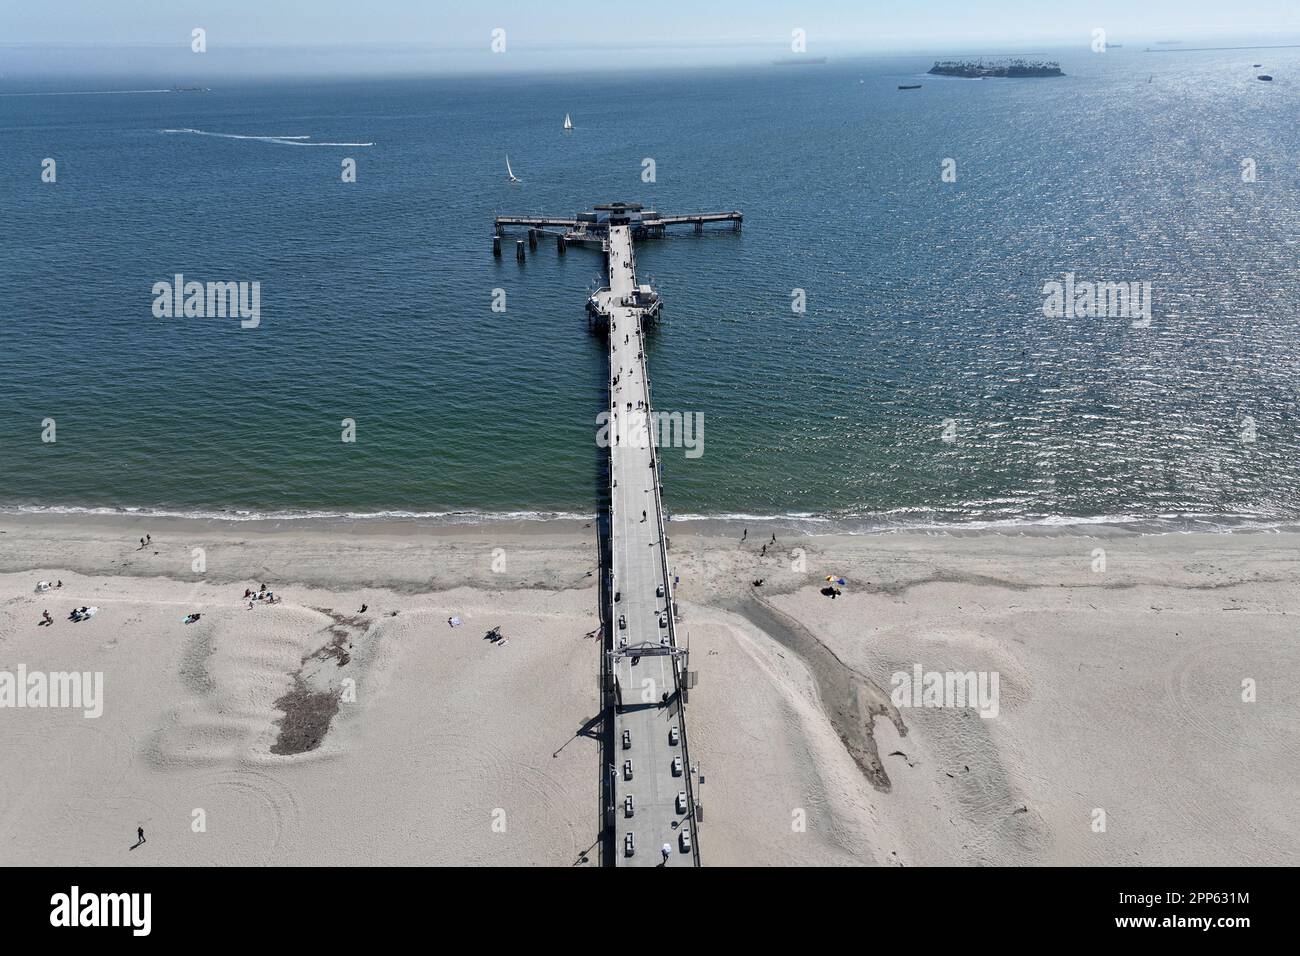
1147,693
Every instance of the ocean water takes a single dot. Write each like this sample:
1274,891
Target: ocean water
924,298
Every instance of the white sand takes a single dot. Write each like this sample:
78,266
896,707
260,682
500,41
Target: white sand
1120,690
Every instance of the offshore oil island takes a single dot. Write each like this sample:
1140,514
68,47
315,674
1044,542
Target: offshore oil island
979,69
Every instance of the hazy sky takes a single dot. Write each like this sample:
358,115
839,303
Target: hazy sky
832,26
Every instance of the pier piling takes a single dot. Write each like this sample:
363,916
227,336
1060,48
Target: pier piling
519,249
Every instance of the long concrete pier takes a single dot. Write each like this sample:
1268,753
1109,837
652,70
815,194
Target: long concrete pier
654,794
650,807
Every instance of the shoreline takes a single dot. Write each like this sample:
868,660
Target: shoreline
806,524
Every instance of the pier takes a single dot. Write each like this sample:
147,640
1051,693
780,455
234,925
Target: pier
592,228
650,808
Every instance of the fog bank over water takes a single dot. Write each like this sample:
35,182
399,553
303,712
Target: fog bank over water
222,62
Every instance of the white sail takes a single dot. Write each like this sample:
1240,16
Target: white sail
510,172
568,123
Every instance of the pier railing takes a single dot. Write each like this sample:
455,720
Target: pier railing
679,674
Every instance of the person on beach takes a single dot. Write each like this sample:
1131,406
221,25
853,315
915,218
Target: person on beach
139,832
744,534
59,585
666,850
148,537
643,515
363,609
763,553
142,544
46,620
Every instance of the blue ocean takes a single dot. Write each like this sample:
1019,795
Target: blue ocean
872,348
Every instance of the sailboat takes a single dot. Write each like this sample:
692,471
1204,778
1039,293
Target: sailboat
511,173
568,123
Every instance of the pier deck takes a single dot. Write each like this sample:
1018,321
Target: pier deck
642,223
649,686
644,679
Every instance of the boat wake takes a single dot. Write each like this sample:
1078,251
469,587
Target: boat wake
281,140
85,92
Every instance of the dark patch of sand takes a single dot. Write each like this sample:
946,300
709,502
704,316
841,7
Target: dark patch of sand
308,710
851,699
306,721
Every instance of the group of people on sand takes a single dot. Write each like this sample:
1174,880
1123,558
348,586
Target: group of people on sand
262,595
77,614
41,588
